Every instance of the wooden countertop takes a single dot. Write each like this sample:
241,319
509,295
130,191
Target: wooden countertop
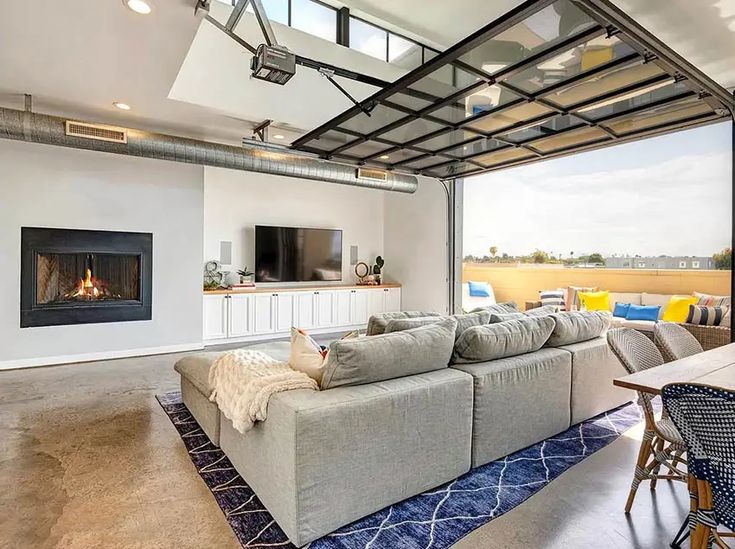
281,289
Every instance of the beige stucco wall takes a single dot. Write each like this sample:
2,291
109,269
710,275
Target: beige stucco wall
522,283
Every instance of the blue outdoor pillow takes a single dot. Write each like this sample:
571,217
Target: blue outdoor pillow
643,312
621,310
479,289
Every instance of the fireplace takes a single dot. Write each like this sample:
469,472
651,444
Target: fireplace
71,276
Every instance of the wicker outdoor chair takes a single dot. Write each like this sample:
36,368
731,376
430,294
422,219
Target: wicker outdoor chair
705,417
674,341
661,445
710,337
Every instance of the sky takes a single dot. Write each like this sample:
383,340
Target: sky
664,195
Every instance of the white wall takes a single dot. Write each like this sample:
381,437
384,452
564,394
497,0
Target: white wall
47,186
234,202
416,246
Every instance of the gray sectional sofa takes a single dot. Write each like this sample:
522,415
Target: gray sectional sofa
417,403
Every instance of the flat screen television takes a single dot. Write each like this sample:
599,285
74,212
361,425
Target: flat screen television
297,254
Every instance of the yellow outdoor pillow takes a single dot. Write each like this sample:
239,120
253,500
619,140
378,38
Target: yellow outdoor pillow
678,308
595,301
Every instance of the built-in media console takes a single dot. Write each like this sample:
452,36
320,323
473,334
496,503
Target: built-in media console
262,313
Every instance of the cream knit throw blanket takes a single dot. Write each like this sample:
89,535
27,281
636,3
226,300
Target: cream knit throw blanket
243,382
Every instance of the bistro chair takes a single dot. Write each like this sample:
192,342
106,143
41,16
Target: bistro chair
675,341
662,446
705,417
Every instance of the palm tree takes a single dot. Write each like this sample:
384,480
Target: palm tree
493,251
571,254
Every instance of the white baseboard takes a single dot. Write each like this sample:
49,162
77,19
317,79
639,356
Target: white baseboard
92,357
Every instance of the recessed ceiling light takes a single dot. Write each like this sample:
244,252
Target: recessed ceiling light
384,157
121,106
139,6
278,136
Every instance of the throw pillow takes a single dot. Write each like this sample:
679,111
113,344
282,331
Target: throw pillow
678,308
577,326
554,298
705,316
504,317
707,300
621,310
572,300
388,356
479,289
377,323
307,355
504,339
595,301
643,312
470,319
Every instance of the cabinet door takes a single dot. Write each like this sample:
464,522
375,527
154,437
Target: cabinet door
239,324
263,313
325,304
304,306
215,316
343,308
360,306
376,301
392,300
285,309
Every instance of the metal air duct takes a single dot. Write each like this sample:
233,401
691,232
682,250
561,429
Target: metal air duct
51,130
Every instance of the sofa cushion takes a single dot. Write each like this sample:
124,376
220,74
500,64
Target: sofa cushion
500,308
503,317
571,301
705,316
621,310
401,324
640,325
575,326
595,301
465,321
555,298
624,297
388,356
480,289
504,339
544,310
644,312
677,308
377,323
656,299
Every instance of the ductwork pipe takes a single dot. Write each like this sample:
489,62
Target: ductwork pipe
51,130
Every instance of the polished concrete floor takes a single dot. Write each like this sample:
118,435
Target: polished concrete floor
89,459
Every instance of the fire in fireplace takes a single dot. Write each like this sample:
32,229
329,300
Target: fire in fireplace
73,276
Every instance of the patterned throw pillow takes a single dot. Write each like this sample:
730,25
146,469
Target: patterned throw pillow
724,301
572,302
555,298
705,316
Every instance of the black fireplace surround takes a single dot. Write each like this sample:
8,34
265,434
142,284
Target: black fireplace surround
71,276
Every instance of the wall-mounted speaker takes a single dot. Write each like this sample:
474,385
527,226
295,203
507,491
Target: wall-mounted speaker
353,255
225,252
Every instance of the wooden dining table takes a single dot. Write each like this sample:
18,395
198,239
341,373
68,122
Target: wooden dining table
715,368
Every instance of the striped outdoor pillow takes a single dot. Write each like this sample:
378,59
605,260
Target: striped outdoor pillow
705,316
555,298
707,300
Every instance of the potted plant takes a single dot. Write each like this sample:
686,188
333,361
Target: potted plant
378,269
246,275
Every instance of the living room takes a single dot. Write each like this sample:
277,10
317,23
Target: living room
234,309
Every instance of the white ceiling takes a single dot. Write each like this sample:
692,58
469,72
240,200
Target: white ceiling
76,58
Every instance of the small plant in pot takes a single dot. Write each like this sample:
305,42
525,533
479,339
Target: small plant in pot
378,269
246,275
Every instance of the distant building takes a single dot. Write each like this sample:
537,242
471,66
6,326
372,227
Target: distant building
663,262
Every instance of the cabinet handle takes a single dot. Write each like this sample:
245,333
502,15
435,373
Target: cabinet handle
275,295
316,293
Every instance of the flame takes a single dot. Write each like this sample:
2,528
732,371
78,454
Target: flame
87,287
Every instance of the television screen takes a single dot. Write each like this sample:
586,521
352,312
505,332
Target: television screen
292,254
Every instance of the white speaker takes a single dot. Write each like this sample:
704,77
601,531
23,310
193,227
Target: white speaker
225,252
353,255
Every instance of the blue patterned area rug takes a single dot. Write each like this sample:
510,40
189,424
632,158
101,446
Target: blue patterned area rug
434,519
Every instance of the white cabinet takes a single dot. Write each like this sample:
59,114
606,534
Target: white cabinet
306,314
239,315
285,308
215,316
263,313
324,307
392,301
343,307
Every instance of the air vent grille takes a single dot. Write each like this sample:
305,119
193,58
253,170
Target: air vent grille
372,174
96,131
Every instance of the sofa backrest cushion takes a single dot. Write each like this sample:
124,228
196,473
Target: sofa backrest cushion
499,308
624,297
402,324
544,310
377,323
388,356
504,317
662,300
465,321
577,326
504,339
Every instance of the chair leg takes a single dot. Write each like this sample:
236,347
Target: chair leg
657,449
643,454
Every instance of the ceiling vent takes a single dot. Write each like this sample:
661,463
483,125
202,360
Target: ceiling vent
96,131
372,174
